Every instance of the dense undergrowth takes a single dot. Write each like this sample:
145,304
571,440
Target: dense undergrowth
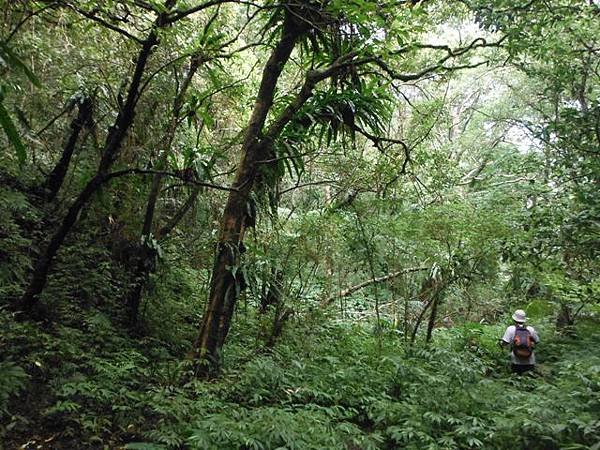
314,165
334,386
79,378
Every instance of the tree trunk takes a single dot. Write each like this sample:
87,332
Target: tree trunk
146,262
168,141
164,231
432,316
239,210
112,147
273,292
427,293
273,297
144,266
43,263
282,314
226,279
55,179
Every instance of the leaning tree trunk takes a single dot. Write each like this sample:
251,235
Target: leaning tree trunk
112,147
164,231
55,179
227,281
257,147
273,298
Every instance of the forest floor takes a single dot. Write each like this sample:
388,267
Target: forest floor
86,383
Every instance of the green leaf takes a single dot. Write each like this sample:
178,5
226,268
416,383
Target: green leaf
14,62
11,132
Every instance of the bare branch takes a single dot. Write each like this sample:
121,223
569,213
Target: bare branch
180,14
352,289
516,180
312,183
104,23
136,171
451,53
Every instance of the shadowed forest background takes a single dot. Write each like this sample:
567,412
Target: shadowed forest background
298,224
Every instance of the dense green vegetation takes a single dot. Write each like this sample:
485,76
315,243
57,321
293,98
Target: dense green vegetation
298,225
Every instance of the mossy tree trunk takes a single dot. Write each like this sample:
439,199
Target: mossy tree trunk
227,280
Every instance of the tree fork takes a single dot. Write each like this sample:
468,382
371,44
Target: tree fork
256,147
164,231
428,288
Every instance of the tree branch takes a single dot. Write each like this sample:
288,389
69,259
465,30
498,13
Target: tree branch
104,23
451,53
180,14
312,183
312,78
516,180
135,171
352,289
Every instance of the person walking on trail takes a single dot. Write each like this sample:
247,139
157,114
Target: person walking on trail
522,339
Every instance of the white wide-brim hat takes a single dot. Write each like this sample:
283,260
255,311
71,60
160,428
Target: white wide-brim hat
519,316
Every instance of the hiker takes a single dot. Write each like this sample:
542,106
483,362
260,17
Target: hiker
522,339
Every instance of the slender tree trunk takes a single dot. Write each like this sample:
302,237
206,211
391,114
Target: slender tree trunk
112,147
413,335
164,231
405,324
42,265
427,293
55,179
273,292
432,316
168,141
273,297
144,266
226,279
147,256
282,314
